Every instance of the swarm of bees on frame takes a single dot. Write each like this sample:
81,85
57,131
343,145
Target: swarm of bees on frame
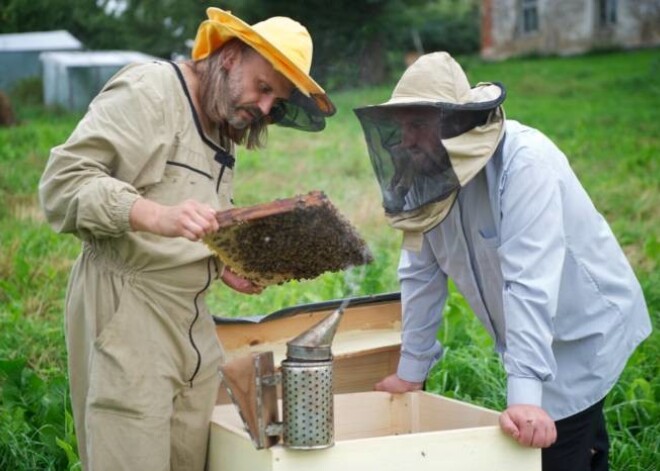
302,238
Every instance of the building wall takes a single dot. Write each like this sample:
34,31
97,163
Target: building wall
19,53
567,27
72,79
17,65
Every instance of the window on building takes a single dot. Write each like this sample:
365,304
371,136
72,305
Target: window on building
606,12
529,16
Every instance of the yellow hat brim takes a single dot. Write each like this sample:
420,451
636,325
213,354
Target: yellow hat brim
222,26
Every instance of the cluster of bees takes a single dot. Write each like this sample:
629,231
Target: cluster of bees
300,243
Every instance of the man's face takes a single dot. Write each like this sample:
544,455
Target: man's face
420,140
254,86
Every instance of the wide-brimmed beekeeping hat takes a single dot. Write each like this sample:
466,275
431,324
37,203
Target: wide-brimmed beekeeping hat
466,122
283,42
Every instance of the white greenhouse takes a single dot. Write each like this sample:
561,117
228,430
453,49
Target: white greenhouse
73,79
19,53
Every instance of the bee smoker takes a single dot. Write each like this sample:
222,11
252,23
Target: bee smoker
306,381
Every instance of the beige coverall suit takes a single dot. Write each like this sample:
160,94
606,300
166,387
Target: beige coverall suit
143,354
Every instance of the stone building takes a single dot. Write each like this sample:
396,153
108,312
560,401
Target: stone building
565,27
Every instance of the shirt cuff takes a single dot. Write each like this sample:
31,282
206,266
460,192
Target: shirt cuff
524,391
122,211
413,370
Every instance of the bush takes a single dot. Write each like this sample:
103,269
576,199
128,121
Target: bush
38,429
456,35
28,92
7,117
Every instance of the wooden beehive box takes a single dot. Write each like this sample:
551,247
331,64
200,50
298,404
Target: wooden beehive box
365,348
375,430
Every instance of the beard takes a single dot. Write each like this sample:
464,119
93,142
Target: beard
423,161
430,163
220,92
239,116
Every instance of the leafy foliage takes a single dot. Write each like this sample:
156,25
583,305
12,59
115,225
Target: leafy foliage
362,42
448,26
33,435
157,27
356,42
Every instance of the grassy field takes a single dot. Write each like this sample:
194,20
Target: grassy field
602,110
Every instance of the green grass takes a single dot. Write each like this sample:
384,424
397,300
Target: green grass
602,110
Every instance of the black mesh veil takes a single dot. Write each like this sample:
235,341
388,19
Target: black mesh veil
406,150
299,112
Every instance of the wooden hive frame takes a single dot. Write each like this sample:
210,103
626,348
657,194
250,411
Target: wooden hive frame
288,239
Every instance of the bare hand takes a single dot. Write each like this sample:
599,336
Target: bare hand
396,385
529,425
190,219
238,283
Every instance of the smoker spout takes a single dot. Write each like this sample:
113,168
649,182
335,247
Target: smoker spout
314,344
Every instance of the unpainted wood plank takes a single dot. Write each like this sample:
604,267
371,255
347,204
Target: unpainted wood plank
362,415
226,416
357,373
354,372
476,449
442,413
363,442
381,316
232,451
344,344
241,215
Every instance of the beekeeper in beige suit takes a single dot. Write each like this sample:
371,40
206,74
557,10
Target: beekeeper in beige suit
139,182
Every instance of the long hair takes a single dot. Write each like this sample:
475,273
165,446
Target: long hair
215,97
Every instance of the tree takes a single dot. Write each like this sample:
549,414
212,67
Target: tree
157,27
161,27
362,42
75,16
351,37
357,42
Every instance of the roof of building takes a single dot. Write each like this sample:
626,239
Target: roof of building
95,58
39,41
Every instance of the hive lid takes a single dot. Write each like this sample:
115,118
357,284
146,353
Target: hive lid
288,239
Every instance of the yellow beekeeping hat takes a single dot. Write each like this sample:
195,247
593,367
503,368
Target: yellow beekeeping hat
283,42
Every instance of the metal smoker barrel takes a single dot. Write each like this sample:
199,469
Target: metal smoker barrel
308,410
307,387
